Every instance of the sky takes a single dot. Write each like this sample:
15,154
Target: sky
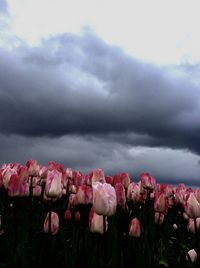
102,84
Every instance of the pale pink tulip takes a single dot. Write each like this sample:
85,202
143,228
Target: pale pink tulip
104,199
53,186
96,222
192,206
97,175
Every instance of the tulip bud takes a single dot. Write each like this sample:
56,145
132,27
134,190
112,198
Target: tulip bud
134,228
54,223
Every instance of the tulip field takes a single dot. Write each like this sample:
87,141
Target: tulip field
56,216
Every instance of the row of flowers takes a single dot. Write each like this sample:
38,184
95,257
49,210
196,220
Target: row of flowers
136,205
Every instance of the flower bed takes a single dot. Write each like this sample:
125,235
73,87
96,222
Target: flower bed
54,216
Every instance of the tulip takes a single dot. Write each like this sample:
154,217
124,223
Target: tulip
120,193
104,199
53,186
147,181
14,185
54,223
33,167
97,175
37,190
84,195
133,192
6,174
192,255
134,228
192,206
160,203
122,178
191,225
96,222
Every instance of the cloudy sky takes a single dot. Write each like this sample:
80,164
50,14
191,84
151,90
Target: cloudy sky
108,84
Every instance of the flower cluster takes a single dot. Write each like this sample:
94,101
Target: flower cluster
93,208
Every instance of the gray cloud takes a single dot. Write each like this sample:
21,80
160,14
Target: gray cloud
80,85
85,153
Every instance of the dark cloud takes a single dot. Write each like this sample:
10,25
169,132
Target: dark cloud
88,152
80,85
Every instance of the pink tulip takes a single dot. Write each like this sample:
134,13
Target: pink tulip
53,186
96,222
160,203
192,206
133,192
33,167
122,178
14,185
191,225
147,181
104,199
54,223
37,190
6,174
77,178
97,175
134,228
84,195
120,193
23,174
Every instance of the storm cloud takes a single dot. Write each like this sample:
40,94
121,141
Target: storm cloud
77,100
77,84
